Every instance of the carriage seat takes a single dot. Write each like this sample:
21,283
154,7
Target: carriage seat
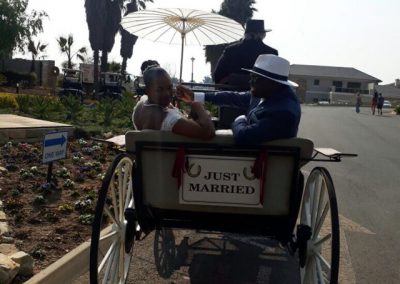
156,154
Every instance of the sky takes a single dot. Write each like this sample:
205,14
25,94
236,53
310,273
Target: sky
351,33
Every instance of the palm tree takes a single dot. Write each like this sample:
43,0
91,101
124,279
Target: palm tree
113,20
96,20
66,47
238,10
128,40
36,50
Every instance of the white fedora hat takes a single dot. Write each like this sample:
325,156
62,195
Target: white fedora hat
272,67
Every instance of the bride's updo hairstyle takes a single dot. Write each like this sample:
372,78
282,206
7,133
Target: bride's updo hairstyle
152,73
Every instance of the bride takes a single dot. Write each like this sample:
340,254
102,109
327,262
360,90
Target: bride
155,111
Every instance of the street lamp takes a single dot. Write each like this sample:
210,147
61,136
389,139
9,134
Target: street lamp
192,68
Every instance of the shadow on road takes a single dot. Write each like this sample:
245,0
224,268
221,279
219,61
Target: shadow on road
224,258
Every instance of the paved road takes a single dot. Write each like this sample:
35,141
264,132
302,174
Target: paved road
368,187
369,203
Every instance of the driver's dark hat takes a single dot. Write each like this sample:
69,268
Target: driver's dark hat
256,26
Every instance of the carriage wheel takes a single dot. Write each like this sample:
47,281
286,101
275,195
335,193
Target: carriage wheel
112,231
320,255
164,252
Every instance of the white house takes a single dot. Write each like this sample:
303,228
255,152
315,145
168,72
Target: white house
318,83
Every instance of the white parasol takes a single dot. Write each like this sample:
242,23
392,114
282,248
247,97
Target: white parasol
182,26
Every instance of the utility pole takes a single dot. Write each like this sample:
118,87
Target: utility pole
192,68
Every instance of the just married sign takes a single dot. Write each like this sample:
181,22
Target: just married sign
221,181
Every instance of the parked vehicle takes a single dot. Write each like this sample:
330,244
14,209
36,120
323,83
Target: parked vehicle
323,102
72,83
387,104
111,85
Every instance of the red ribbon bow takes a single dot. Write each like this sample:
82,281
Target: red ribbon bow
259,170
179,166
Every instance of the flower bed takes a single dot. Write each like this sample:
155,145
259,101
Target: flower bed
47,220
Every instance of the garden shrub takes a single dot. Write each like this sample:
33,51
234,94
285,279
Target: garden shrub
125,108
397,109
8,100
73,107
42,106
24,103
107,109
80,132
3,79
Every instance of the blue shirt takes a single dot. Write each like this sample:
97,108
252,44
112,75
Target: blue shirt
276,117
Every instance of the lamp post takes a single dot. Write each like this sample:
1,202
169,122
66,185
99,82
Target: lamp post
192,68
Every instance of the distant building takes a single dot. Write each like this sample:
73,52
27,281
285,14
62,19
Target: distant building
327,83
44,69
390,91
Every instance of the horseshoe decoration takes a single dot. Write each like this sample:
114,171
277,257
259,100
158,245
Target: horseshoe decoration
245,174
193,175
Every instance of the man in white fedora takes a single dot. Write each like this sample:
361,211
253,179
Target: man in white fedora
273,107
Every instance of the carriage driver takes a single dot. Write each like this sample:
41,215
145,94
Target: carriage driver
273,107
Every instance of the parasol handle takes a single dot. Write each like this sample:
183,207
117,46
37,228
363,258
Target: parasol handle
183,41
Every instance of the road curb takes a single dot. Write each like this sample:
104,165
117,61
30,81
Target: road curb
66,269
71,266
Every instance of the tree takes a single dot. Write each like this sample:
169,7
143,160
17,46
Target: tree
66,47
114,67
207,80
96,20
113,19
16,26
128,40
36,50
238,10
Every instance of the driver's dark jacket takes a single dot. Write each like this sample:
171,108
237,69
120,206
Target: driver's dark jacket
277,117
240,55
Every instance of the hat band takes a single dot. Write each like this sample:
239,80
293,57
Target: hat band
269,74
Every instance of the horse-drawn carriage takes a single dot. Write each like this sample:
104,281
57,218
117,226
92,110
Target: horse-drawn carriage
168,181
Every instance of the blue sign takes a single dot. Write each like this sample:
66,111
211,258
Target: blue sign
55,141
55,146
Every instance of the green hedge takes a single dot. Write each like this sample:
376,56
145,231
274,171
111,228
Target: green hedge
8,101
12,78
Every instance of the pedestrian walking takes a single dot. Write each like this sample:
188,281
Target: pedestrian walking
374,102
380,103
358,103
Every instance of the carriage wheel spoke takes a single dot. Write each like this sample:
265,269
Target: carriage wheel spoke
113,233
129,196
126,264
311,271
314,201
307,213
320,221
121,192
125,179
320,202
319,271
322,189
320,241
121,263
109,253
114,198
323,260
108,212
114,271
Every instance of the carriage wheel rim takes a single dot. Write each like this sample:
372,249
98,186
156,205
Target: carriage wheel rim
113,262
319,204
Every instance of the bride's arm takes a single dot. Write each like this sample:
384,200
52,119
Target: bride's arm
202,127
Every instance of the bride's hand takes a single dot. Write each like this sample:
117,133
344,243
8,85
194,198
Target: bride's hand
184,94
